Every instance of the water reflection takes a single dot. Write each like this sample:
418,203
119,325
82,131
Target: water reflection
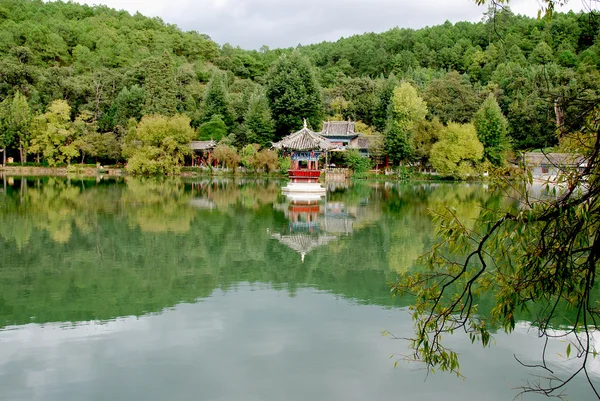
77,250
101,283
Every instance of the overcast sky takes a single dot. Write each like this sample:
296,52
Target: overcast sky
286,23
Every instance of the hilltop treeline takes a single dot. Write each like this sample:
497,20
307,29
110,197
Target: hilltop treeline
76,80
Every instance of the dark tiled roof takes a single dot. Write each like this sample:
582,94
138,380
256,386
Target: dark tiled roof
361,142
203,145
338,128
533,159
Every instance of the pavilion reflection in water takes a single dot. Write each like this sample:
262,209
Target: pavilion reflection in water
312,222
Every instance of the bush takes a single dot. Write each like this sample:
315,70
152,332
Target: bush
285,163
358,163
267,159
227,156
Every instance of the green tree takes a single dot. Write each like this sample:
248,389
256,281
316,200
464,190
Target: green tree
293,93
216,100
6,134
267,160
398,142
426,135
259,121
92,143
491,126
160,146
16,120
227,155
385,93
542,54
458,151
128,104
405,110
160,86
215,129
451,98
53,135
357,162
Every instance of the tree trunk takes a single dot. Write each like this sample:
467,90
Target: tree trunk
560,117
21,154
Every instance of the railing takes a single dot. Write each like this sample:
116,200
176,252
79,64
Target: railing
304,173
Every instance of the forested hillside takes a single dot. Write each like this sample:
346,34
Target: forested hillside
111,68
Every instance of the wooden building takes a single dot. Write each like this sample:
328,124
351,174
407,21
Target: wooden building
201,152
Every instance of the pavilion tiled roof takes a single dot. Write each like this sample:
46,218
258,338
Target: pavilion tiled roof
305,139
303,243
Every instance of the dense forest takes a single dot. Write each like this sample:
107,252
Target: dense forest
81,83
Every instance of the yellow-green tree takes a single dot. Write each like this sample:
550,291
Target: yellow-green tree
160,145
458,151
53,135
405,110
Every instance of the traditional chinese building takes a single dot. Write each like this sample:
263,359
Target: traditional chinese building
304,232
339,133
305,148
201,151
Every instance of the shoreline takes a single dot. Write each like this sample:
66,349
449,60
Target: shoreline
188,172
60,171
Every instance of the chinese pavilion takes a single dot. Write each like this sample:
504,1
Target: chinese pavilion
305,148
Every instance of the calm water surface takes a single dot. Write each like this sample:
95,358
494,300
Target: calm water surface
227,290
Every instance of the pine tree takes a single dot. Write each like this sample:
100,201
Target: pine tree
293,93
384,96
491,126
216,100
160,86
215,128
259,121
128,104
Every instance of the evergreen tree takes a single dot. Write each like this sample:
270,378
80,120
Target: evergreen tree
491,126
259,121
160,86
384,96
128,104
215,129
293,93
216,100
398,142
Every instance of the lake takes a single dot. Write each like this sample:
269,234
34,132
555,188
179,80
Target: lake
219,289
